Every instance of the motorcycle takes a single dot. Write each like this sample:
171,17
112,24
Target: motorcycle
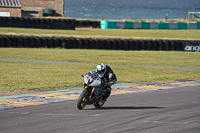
94,91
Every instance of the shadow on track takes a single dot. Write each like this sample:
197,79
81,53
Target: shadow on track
125,108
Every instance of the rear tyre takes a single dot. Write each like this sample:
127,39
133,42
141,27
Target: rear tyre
82,101
100,103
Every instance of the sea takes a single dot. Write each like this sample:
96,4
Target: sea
130,9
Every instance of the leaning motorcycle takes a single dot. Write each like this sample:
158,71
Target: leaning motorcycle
94,91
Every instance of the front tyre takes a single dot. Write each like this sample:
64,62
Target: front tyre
82,101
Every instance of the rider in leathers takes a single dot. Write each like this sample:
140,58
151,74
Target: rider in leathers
106,72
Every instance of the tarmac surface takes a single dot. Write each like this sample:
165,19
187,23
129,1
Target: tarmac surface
34,99
165,106
173,110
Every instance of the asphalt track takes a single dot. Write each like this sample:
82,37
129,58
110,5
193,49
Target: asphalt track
166,106
168,110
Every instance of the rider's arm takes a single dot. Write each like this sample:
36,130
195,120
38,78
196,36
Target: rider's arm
93,71
112,79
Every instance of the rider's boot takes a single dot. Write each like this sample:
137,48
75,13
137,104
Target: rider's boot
107,93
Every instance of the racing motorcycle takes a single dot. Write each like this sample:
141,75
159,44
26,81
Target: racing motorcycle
94,91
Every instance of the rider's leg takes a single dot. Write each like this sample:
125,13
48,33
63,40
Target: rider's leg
108,92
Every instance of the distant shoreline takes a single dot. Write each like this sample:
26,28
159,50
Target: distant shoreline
143,20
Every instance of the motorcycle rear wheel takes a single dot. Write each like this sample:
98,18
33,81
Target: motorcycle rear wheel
82,102
100,103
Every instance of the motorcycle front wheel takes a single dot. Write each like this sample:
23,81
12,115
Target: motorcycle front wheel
82,101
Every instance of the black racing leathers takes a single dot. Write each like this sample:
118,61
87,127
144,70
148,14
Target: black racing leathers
111,80
109,75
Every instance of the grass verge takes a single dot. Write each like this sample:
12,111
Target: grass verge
35,76
108,33
152,58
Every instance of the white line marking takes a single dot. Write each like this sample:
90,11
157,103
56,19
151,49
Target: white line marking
50,114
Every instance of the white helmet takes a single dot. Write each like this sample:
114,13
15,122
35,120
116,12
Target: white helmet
101,69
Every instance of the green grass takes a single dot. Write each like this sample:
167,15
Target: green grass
153,58
30,76
108,33
36,76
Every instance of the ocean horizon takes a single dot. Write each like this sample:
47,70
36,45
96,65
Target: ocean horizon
130,9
